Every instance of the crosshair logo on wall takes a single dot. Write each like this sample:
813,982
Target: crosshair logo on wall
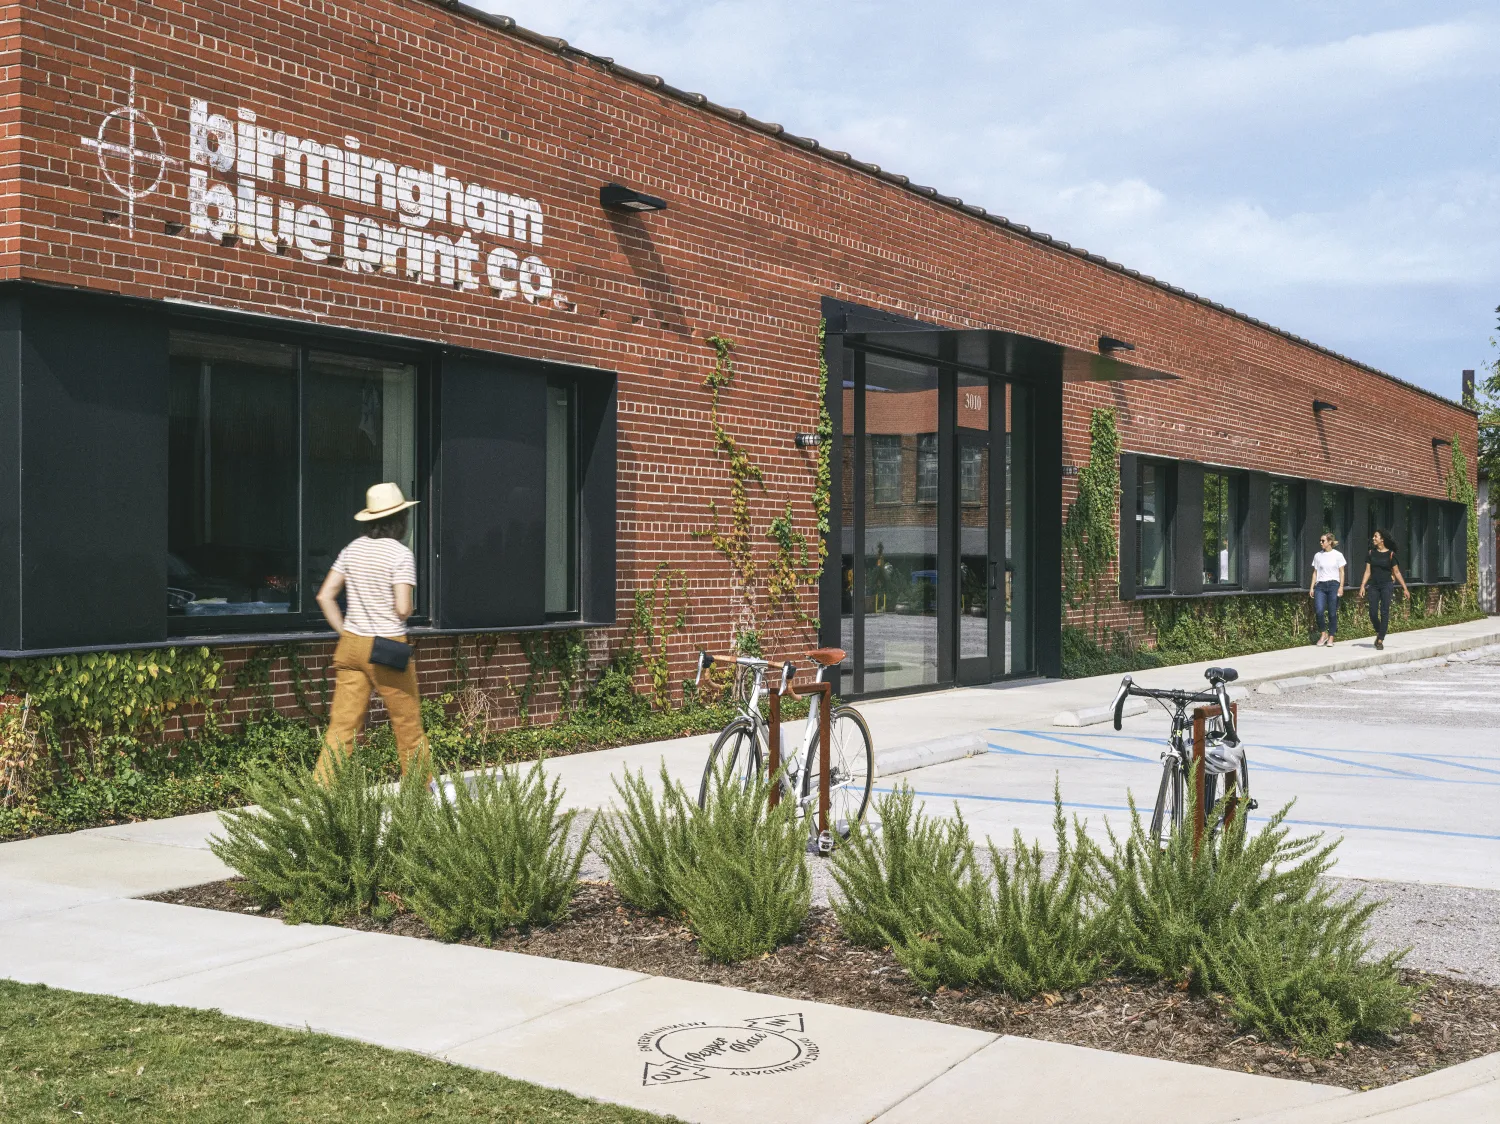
697,1051
132,156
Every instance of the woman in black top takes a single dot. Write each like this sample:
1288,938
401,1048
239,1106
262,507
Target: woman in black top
1381,573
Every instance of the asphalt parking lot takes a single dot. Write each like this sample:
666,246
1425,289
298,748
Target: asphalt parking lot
1405,770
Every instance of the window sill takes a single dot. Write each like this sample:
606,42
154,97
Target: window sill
308,635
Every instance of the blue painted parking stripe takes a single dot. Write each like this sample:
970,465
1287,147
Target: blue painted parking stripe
1263,819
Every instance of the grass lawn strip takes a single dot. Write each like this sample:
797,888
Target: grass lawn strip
65,1056
1456,1020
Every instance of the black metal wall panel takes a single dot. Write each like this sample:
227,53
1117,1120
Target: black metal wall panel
94,473
1257,531
598,427
1460,542
10,475
1129,483
830,587
491,533
1187,531
1046,526
1359,536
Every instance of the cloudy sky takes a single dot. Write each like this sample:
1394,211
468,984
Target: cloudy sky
1331,166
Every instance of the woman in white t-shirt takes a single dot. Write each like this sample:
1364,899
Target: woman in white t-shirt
377,576
1327,587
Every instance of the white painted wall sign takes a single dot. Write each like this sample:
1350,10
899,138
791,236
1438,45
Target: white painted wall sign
420,224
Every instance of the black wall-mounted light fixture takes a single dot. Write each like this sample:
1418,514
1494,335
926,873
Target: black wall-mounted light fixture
618,197
1108,344
808,440
1319,406
1439,441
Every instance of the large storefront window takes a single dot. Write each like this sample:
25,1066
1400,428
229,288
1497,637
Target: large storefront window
1285,544
1378,512
1151,521
233,460
271,449
1221,529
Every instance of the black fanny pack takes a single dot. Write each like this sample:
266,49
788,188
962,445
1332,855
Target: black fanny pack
390,653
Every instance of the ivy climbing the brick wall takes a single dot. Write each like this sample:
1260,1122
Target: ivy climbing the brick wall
1460,490
1090,538
117,692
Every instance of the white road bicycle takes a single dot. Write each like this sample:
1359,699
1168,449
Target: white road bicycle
742,748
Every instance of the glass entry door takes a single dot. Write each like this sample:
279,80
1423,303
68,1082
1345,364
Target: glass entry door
934,531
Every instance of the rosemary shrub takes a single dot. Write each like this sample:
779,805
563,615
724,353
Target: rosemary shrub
889,879
641,835
321,853
741,879
492,856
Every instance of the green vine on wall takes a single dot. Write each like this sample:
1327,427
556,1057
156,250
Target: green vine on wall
254,678
822,497
565,652
733,542
117,692
1461,491
1090,537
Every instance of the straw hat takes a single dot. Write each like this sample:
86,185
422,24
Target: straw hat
382,500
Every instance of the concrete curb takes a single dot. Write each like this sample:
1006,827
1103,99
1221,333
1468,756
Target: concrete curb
1480,1075
905,758
1093,715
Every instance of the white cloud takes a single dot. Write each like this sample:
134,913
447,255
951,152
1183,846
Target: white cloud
1331,163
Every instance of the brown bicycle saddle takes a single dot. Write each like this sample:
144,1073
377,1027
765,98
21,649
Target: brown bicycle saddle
828,656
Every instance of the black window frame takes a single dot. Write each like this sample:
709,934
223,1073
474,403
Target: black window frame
574,560
1297,519
309,618
1167,509
1235,481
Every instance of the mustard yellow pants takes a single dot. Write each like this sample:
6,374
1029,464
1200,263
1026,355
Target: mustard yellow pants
355,675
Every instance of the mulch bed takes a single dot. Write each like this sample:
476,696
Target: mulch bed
1456,1020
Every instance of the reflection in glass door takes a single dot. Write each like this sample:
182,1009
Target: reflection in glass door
935,512
978,560
902,584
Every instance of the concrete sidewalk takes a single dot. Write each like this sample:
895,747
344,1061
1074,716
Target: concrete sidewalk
696,1051
691,1050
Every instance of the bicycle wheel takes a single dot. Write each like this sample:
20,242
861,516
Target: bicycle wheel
736,751
851,771
1168,810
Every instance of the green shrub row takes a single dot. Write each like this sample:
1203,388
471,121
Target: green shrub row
1246,916
734,870
491,854
1195,629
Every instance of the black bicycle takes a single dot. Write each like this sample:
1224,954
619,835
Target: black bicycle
1223,755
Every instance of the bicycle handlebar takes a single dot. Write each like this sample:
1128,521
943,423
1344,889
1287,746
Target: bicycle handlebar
1218,693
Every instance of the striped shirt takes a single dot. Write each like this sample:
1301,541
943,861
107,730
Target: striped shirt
372,569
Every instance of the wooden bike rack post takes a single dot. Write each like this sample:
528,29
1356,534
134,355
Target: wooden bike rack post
773,744
1201,715
773,748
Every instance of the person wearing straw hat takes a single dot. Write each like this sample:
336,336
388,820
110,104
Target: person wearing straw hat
377,575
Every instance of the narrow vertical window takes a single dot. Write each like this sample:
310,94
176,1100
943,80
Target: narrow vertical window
1414,560
1446,528
1151,531
927,468
885,458
561,583
971,474
1285,544
1221,538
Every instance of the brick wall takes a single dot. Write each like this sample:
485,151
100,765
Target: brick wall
757,231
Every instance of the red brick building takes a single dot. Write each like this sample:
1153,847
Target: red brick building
258,258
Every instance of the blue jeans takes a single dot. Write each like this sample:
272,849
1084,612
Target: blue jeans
1380,607
1326,607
